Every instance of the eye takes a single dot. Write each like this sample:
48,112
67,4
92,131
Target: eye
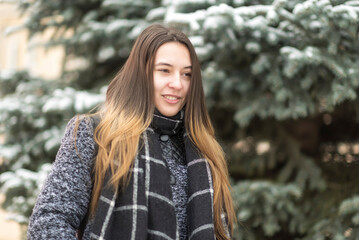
164,70
188,74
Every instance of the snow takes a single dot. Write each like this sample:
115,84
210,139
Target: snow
257,34
20,202
238,2
9,103
238,21
272,38
194,25
214,22
103,90
301,9
312,53
51,137
90,16
20,180
39,122
86,36
24,159
10,152
306,7
7,73
156,13
258,23
10,181
59,102
245,11
244,214
272,16
30,99
51,144
179,18
136,31
261,9
196,40
221,9
190,19
352,3
315,24
20,162
116,25
113,3
279,3
204,51
12,29
291,52
106,53
231,34
17,218
198,15
323,3
67,98
26,175
352,71
253,47
85,101
346,9
42,174
96,26
183,2
13,120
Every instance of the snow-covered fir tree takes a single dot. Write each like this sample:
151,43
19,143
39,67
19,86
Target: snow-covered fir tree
281,80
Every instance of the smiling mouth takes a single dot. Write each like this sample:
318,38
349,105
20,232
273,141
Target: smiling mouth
171,99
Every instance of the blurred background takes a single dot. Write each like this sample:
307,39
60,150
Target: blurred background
281,80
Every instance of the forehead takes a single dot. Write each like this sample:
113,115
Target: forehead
173,53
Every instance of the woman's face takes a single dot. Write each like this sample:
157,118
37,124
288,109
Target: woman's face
171,77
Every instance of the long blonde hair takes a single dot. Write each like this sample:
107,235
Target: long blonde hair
127,113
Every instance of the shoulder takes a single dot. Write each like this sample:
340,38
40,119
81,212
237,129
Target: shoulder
81,124
80,130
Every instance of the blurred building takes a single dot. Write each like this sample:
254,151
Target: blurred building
18,52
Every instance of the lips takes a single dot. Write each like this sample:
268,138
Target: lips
171,98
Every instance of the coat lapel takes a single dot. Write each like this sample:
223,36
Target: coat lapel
200,195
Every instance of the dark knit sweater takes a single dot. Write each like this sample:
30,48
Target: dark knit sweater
63,201
173,152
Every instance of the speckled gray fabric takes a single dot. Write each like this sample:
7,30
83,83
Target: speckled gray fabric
173,152
63,201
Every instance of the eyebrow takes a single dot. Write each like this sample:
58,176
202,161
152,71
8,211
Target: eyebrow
169,65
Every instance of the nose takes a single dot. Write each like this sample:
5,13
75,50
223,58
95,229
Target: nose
175,81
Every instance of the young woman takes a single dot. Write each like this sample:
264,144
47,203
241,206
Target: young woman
151,168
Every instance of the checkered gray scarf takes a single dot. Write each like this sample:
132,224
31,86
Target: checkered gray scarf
145,209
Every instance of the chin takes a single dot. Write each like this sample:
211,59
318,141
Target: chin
168,113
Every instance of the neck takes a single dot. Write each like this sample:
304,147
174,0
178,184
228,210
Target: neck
168,125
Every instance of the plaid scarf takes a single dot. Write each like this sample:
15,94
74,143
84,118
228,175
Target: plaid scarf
145,210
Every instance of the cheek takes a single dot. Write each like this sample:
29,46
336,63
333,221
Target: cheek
156,83
186,88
